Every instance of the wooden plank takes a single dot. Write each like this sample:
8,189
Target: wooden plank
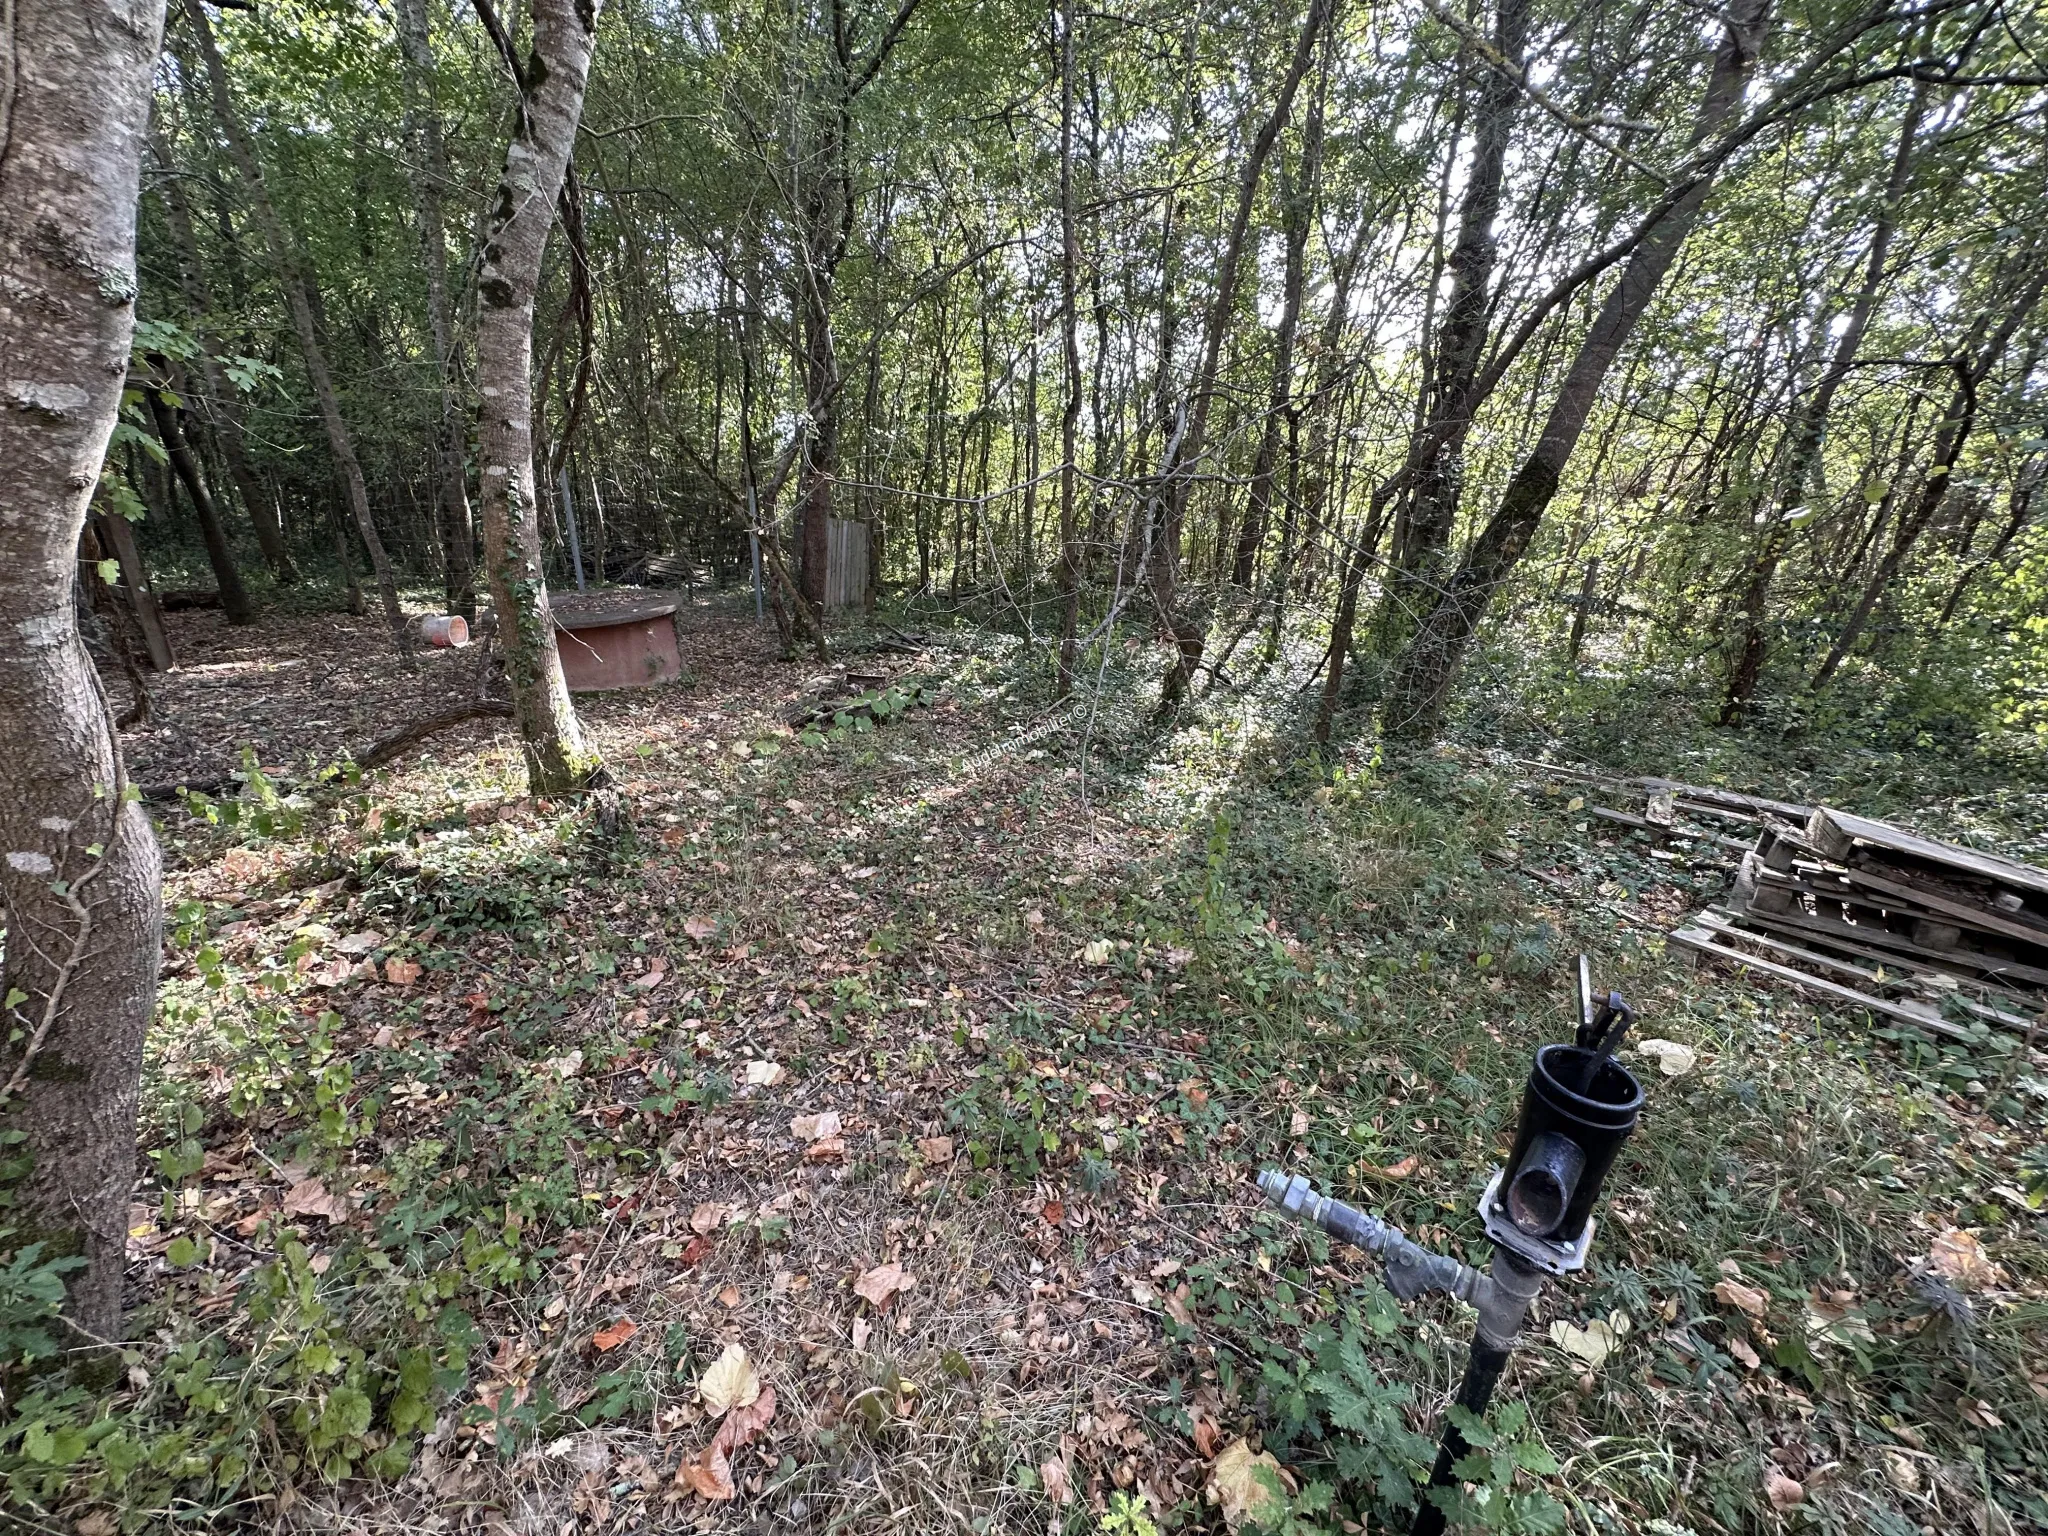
1982,918
1637,823
1873,943
1925,1016
1835,832
1720,925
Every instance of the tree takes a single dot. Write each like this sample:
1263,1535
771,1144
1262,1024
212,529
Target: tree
1423,676
79,873
551,83
298,282
429,171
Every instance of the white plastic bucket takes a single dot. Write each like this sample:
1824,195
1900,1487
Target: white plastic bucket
445,629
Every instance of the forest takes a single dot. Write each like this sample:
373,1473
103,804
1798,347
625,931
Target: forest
724,728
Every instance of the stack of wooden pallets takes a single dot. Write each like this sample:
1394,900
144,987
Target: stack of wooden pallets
1860,911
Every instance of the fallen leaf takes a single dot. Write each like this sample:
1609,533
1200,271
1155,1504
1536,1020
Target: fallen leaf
1782,1491
729,1297
401,973
309,1197
1053,1473
1098,952
614,1336
657,973
1733,1293
1740,1348
862,1331
1054,1213
1206,1435
765,1074
815,1127
708,1217
695,1250
359,943
566,1066
1237,1485
825,1150
1959,1258
880,1283
935,1149
1400,1170
1298,1126
746,1421
731,1382
1672,1058
1903,1474
1592,1343
708,1476
1979,1413
700,929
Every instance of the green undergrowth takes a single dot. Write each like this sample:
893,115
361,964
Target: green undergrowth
1336,967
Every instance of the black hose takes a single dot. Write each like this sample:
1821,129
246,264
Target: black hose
1482,1374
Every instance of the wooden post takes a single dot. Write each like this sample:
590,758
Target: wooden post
1587,590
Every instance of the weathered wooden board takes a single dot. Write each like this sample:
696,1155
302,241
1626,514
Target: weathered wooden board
1835,833
1881,944
1921,1015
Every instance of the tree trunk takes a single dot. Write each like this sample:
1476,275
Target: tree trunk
300,297
429,167
1453,399
1178,466
80,881
551,103
1423,677
1809,429
224,405
1971,371
1070,358
234,597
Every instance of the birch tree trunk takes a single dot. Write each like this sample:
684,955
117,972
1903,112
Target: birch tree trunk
1423,677
297,283
522,210
80,882
429,169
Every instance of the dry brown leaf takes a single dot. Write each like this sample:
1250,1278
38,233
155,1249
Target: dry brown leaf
1054,1213
729,1297
694,1251
1236,1485
1978,1412
877,1285
401,973
731,1382
1053,1473
708,1476
1783,1491
1206,1436
1400,1170
745,1422
935,1149
826,1149
657,973
309,1197
1740,1349
615,1335
1298,1125
1959,1258
815,1127
862,1330
1733,1293
765,1074
700,929
707,1217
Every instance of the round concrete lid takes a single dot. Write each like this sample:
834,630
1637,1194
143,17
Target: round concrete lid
618,605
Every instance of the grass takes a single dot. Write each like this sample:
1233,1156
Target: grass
393,1216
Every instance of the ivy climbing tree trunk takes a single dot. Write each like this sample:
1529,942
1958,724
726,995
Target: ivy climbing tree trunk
80,882
550,104
297,283
1427,669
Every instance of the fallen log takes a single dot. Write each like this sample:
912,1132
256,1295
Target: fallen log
383,751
